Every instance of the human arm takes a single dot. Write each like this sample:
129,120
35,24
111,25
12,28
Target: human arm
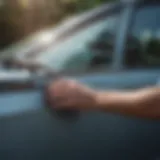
144,103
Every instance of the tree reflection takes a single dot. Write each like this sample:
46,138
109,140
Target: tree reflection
142,53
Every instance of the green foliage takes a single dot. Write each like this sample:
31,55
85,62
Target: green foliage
85,5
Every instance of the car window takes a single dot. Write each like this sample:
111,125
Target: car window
143,43
89,48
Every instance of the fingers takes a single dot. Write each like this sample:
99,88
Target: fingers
60,89
61,84
61,93
68,94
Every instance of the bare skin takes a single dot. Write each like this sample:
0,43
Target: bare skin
68,94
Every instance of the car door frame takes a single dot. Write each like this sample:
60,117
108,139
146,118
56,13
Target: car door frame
119,44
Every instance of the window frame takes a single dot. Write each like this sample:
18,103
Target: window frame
110,12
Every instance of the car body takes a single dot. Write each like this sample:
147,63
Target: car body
30,130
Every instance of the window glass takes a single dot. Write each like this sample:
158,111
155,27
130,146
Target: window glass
88,49
143,43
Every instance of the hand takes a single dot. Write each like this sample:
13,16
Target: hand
69,94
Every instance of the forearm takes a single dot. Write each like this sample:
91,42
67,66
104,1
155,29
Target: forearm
140,103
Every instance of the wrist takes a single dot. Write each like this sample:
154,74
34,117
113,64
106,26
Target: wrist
98,100
102,102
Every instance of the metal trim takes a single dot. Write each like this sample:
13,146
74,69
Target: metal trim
122,37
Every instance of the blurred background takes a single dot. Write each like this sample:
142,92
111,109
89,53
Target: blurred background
20,18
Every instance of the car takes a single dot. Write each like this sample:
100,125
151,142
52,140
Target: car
115,46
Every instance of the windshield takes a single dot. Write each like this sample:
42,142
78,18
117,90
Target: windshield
96,41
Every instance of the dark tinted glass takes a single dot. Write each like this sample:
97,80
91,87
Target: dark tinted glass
143,43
